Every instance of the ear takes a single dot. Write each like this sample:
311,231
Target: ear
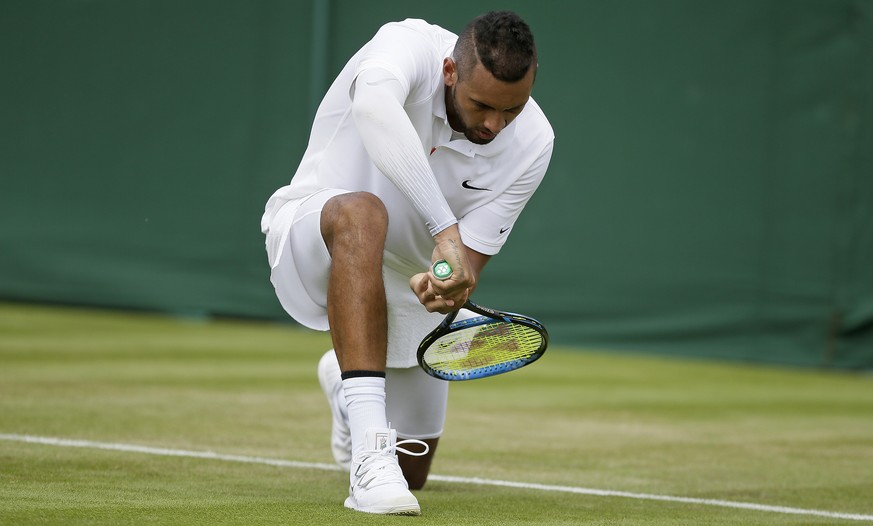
450,72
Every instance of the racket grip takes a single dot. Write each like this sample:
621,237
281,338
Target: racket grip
442,270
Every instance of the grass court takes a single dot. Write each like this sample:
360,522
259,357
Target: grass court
126,418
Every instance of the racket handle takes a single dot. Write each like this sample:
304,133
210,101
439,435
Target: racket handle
442,270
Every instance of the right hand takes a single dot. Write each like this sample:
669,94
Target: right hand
454,290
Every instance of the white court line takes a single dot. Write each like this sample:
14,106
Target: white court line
210,455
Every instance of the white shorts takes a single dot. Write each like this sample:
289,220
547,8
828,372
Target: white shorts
300,265
300,262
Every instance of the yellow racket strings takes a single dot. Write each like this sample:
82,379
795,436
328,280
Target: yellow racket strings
482,346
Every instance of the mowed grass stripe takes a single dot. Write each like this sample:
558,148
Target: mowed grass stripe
210,455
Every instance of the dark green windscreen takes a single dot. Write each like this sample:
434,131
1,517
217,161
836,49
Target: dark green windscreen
711,191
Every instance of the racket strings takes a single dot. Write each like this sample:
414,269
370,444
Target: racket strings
491,344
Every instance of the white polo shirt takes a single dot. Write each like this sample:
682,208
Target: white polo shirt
486,186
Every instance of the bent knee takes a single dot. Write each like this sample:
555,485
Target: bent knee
354,212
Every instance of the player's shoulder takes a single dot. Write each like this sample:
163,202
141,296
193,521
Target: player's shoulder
534,125
418,25
416,28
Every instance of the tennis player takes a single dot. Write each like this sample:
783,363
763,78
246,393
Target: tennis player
427,146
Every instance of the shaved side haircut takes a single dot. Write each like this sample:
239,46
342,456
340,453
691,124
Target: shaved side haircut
501,41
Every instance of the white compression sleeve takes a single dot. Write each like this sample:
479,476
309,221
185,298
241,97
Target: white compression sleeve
395,148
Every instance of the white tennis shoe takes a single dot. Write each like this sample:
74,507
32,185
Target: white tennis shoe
332,385
377,482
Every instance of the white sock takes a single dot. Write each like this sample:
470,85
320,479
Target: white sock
365,401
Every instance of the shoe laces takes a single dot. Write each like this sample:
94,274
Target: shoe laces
378,467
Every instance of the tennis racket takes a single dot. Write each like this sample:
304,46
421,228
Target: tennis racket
491,343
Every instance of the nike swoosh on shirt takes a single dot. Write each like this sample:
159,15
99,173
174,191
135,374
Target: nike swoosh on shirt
502,230
466,184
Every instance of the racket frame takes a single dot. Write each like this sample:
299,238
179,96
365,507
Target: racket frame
448,326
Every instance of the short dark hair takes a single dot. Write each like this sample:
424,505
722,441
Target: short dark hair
501,41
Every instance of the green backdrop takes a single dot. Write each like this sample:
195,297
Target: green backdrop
711,191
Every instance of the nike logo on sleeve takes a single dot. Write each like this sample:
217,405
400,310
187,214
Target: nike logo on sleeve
466,184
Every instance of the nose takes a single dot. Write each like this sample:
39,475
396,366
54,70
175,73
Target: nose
494,122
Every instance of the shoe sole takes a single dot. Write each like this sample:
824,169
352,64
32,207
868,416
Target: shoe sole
405,509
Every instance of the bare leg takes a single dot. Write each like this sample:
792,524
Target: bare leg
354,227
416,469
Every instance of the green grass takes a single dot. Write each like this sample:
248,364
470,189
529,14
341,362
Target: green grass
774,436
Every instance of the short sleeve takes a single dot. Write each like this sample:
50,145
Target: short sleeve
486,229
